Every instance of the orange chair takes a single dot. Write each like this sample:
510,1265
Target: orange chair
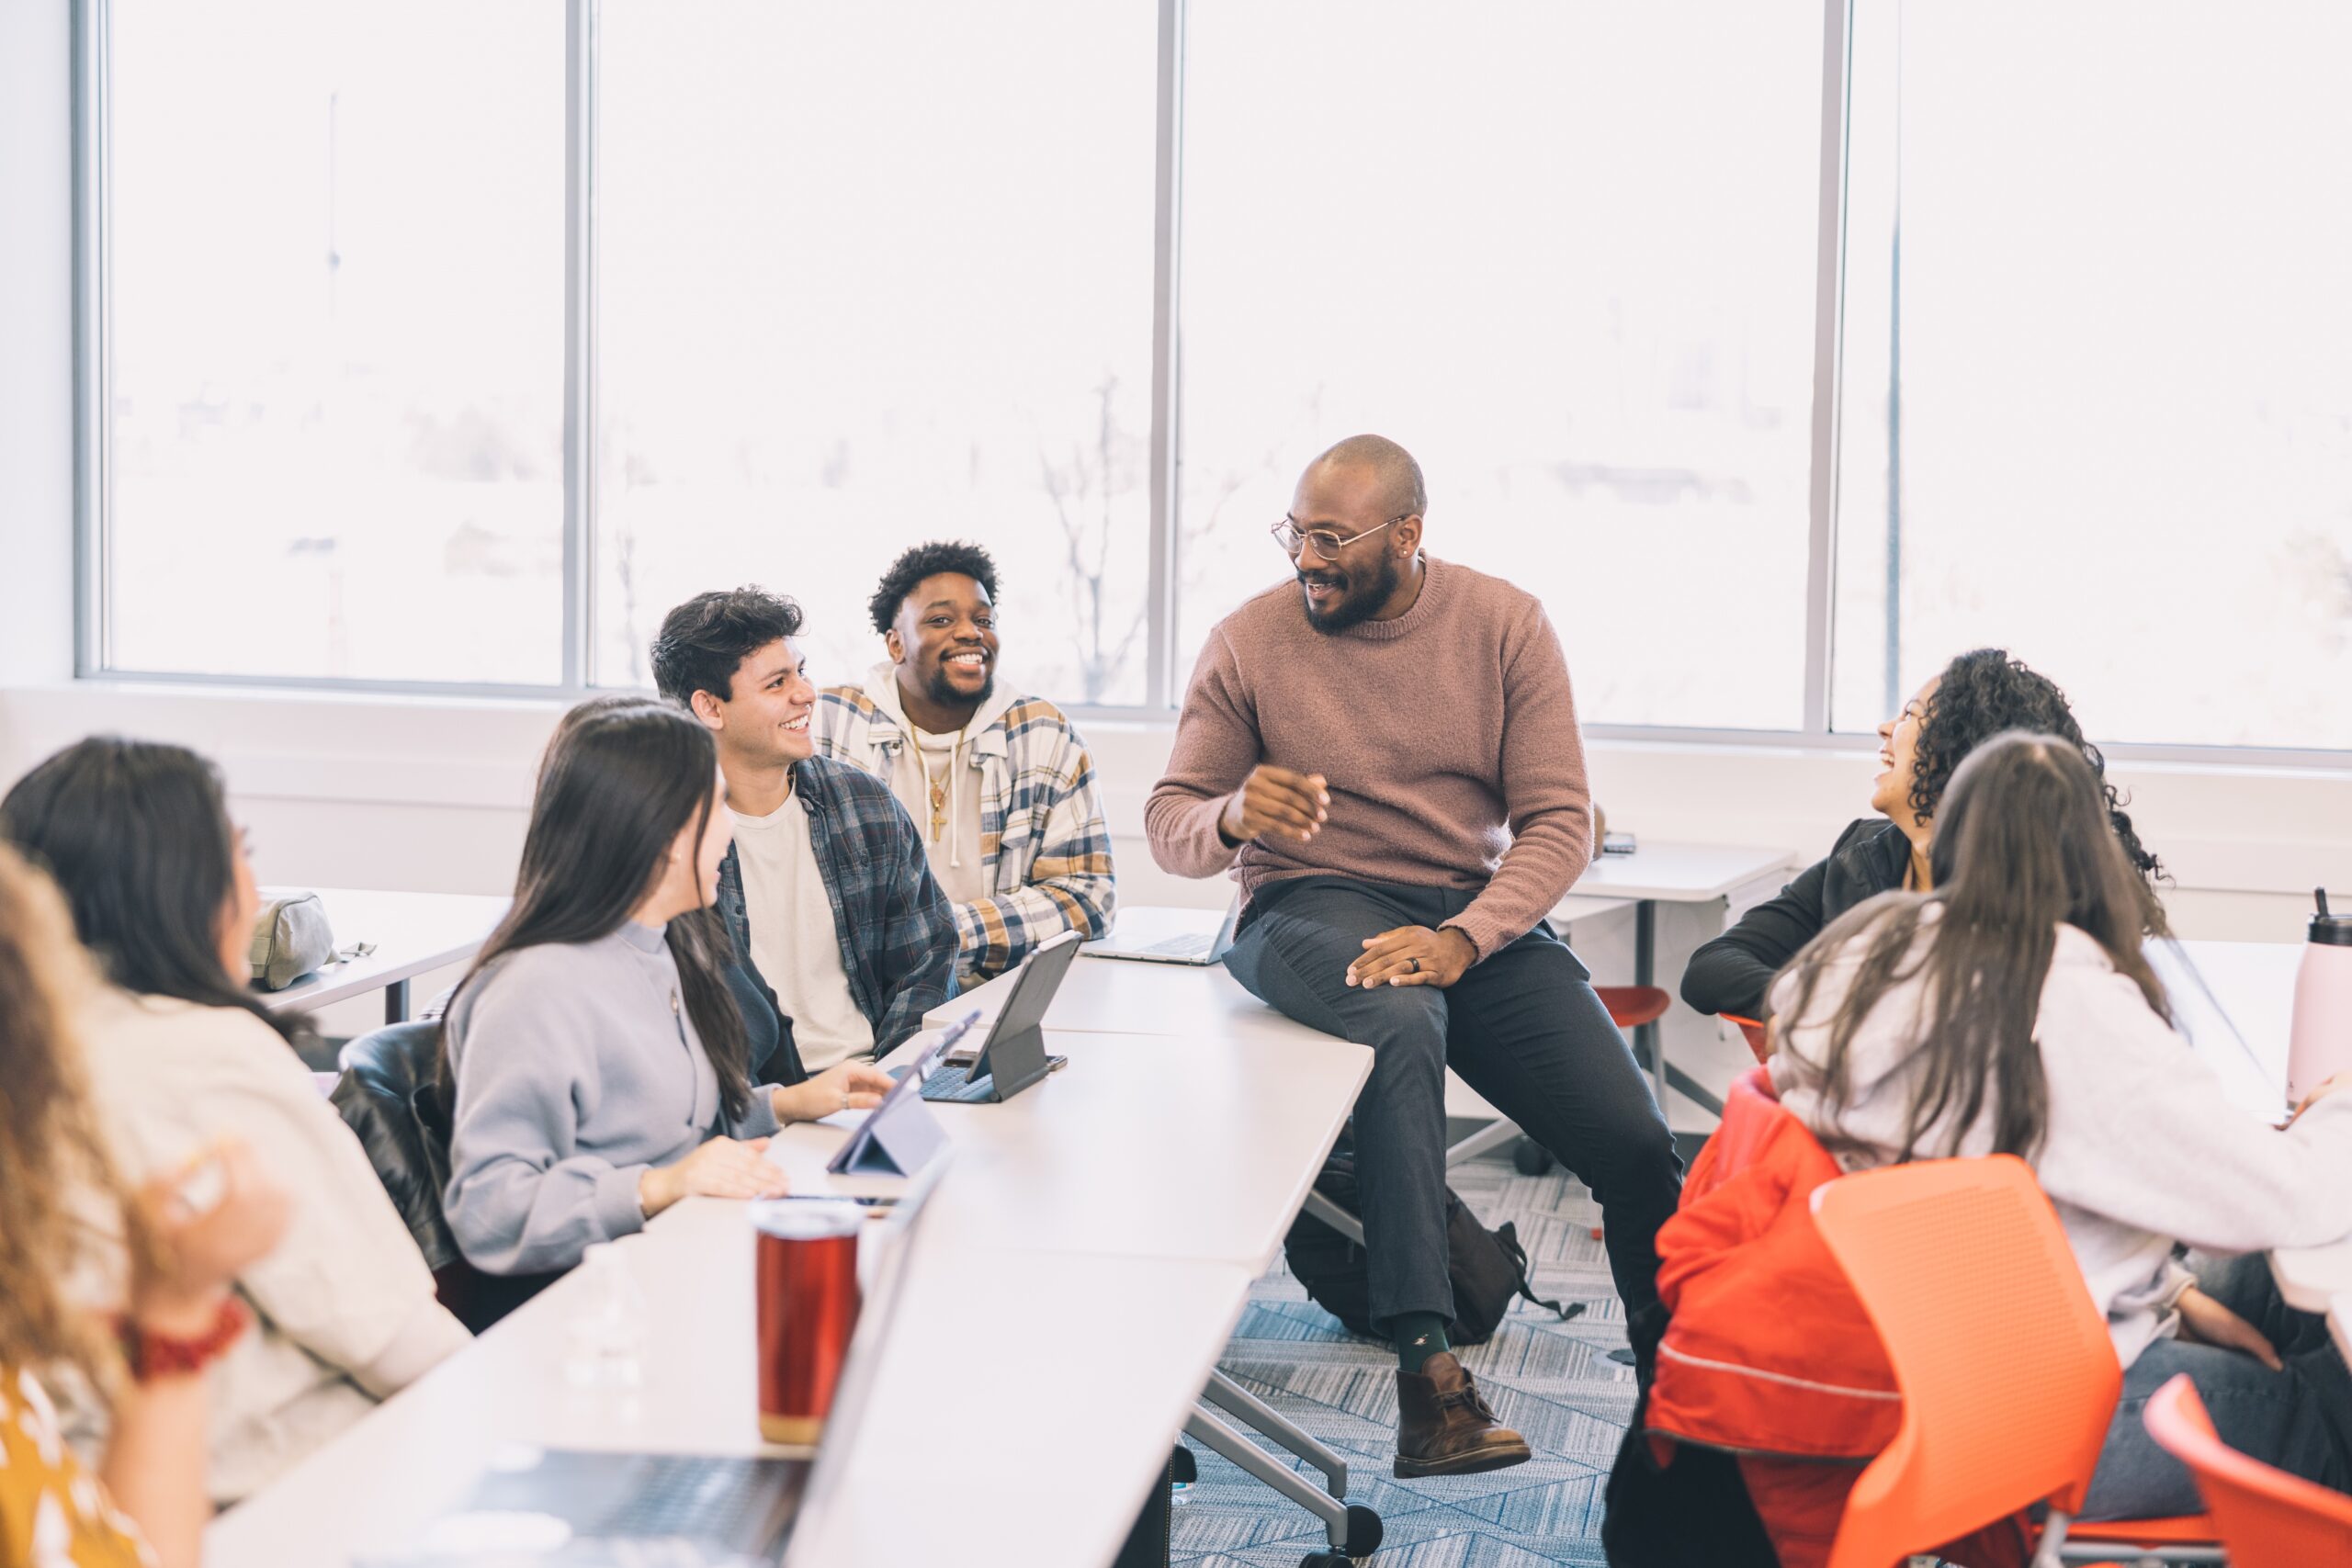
2008,1377
1630,1006
2267,1518
1752,1032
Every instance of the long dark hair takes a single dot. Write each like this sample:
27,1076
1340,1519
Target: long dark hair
621,779
136,835
2023,845
1986,692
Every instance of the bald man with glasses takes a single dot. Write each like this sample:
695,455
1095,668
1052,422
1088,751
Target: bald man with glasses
1382,749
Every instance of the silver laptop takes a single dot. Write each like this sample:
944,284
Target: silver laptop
572,1509
1151,933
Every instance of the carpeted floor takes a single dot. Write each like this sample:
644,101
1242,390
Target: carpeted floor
1551,1380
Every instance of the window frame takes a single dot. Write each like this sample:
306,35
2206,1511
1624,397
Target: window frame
1165,664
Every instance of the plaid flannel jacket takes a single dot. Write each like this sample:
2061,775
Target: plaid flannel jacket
894,926
1046,849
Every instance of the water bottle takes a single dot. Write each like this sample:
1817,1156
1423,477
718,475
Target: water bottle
606,1340
2319,1043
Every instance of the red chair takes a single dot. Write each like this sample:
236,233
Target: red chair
2008,1377
1752,1032
2266,1518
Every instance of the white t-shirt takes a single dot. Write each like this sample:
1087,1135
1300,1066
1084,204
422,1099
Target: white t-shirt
950,824
794,943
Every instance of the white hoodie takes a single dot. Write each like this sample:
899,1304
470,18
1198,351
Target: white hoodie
957,859
2144,1148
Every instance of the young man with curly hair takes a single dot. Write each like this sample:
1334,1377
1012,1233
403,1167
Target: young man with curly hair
999,783
825,890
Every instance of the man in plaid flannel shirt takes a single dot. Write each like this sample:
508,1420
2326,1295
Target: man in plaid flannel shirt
826,892
998,783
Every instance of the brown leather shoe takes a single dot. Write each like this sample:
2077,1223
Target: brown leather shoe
1444,1428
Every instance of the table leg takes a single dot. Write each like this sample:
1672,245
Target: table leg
1649,1047
1646,1043
396,1002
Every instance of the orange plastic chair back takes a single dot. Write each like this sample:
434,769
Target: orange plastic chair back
2008,1377
2266,1518
1752,1032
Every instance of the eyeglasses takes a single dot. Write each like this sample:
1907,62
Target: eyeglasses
1324,542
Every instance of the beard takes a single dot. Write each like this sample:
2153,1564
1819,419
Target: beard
1357,602
938,690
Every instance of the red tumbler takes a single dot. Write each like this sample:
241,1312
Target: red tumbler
807,1311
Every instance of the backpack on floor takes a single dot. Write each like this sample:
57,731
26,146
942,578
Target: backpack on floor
1488,1267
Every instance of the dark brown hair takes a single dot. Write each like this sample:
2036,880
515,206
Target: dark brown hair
136,835
621,779
2023,845
705,640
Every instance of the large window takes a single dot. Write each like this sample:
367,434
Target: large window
1784,348
1565,254
2099,367
337,329
871,274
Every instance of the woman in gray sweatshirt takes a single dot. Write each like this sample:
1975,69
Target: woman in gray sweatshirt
595,1057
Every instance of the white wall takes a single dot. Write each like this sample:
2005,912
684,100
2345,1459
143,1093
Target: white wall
394,793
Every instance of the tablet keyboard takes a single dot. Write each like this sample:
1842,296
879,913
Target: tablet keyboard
957,1087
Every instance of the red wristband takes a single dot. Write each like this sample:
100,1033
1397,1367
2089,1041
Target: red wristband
154,1355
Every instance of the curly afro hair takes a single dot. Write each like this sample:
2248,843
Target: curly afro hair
927,560
1983,692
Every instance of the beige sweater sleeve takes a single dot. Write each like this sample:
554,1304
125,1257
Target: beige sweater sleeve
346,1283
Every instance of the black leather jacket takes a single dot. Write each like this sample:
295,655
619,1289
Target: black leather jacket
1731,973
387,1097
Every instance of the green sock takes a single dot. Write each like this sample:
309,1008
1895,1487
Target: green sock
1419,1335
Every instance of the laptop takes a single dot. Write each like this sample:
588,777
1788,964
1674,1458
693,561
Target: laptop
569,1508
1149,934
1013,1057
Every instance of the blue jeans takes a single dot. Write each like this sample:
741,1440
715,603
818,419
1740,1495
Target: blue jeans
2299,1420
1522,1027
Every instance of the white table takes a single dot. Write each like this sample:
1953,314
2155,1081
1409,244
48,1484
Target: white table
1674,874
1144,1144
2235,1001
1108,1219
2237,1020
412,933
1125,996
998,1426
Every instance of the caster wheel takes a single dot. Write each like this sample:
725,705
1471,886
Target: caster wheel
1326,1560
1363,1531
1529,1159
1185,1469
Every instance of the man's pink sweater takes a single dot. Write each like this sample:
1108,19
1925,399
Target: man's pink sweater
1447,737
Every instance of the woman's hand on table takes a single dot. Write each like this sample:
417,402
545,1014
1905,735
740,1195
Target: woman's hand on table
723,1168
847,1085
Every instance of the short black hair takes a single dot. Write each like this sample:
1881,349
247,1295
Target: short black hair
928,561
705,640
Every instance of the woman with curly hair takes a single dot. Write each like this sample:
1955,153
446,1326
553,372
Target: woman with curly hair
1977,695
65,1216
